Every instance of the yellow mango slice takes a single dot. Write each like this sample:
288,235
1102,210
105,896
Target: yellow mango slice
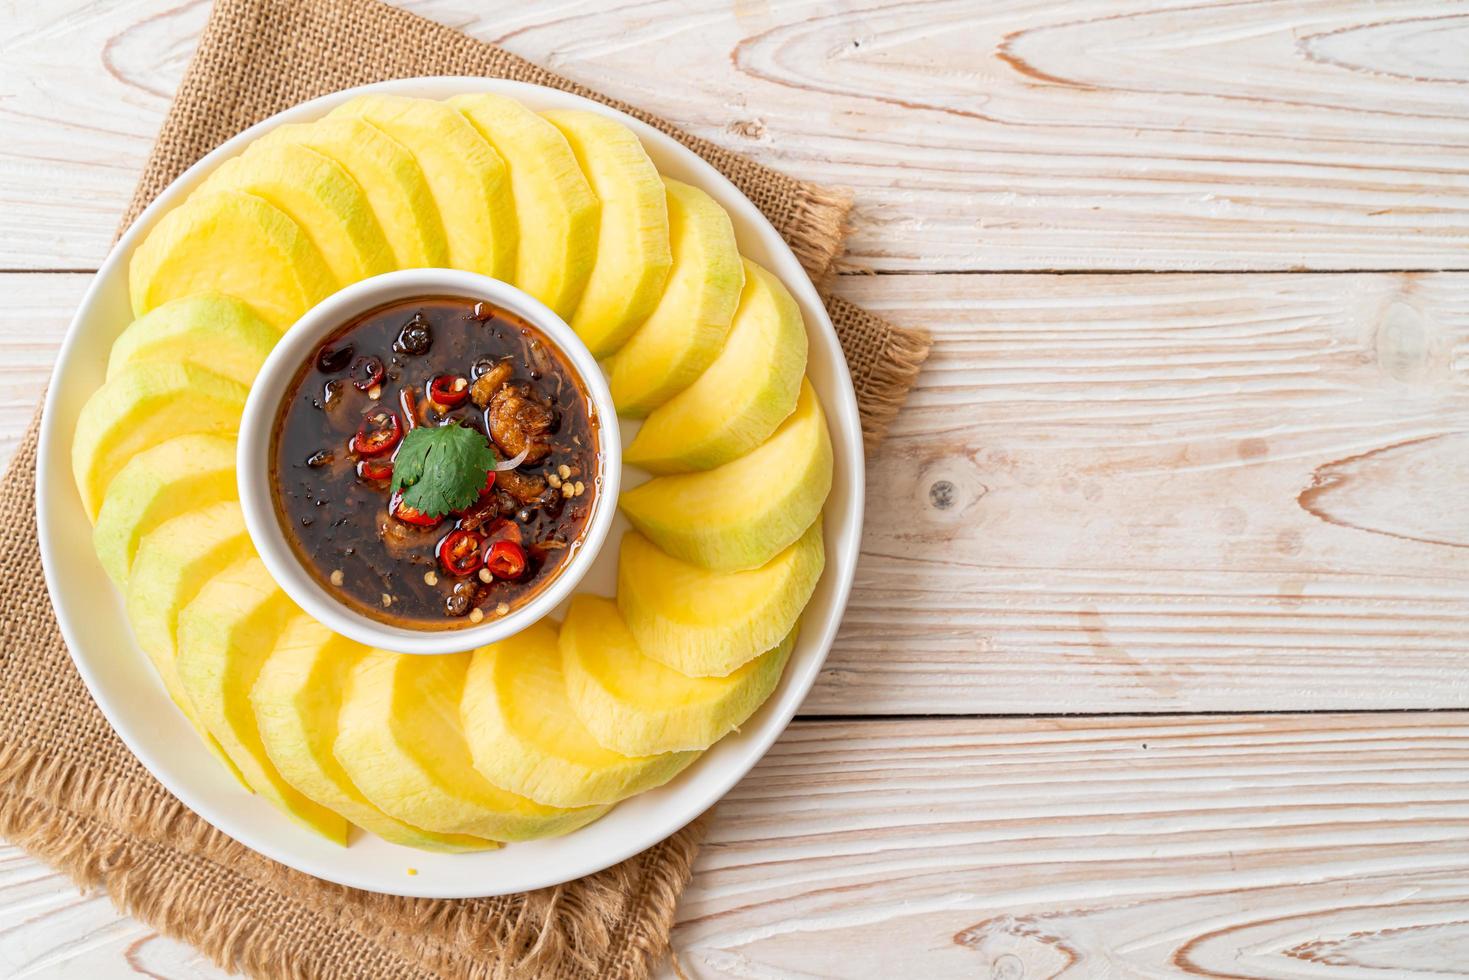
635,705
319,195
231,243
742,514
525,737
158,484
711,624
224,635
555,209
140,407
740,400
174,560
687,329
211,330
297,698
390,177
466,175
633,251
402,743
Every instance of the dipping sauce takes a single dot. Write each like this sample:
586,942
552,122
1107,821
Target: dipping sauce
349,420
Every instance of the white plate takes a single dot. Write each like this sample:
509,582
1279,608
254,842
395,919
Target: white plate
129,693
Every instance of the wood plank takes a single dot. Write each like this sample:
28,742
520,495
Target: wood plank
1279,847
1131,493
1162,493
1305,846
33,319
49,931
1015,135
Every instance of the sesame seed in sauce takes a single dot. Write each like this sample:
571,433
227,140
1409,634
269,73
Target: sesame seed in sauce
338,577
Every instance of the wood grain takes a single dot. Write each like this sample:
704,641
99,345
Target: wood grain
1141,493
1282,847
1016,135
1177,492
1131,493
1277,847
50,932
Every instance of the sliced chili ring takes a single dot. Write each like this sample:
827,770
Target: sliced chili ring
448,390
375,469
380,432
459,552
505,559
407,514
367,371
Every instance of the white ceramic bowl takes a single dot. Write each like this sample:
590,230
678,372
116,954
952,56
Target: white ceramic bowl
271,386
127,689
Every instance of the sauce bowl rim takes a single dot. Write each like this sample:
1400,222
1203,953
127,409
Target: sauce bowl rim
257,430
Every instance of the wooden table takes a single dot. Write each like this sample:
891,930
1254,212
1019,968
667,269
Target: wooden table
1156,662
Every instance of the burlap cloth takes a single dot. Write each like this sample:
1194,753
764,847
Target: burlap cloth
71,793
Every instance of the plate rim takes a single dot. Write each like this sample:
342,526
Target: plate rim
846,438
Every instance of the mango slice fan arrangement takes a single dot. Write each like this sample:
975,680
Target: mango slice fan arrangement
542,733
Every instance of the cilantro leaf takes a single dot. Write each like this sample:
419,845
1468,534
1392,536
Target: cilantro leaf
442,468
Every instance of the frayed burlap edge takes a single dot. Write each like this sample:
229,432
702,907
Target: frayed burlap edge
884,362
113,827
134,872
553,932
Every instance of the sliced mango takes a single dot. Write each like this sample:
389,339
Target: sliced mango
742,397
633,252
710,624
171,479
296,699
401,741
525,737
140,407
390,177
555,209
224,635
212,330
314,191
174,560
687,329
230,243
742,514
467,177
635,705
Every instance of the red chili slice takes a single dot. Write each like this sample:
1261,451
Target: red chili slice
459,552
409,515
375,469
448,390
367,371
380,431
505,559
